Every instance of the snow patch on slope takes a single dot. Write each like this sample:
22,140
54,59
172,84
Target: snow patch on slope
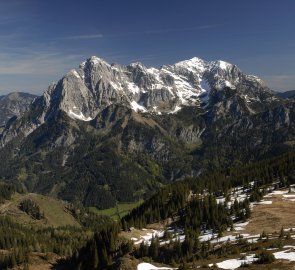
176,109
186,83
285,255
136,107
75,73
223,65
192,65
205,88
148,266
79,116
133,88
235,263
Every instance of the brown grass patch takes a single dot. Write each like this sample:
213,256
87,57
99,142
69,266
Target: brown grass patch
272,217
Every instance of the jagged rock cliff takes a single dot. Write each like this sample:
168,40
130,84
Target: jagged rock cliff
14,104
108,132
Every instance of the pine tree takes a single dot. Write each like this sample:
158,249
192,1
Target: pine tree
95,262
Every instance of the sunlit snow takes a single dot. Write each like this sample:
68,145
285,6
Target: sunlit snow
285,255
223,64
133,87
235,263
75,73
136,107
148,266
79,116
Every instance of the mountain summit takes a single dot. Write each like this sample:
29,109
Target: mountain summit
108,132
83,93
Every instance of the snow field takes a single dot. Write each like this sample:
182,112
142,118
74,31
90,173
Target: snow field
148,266
236,263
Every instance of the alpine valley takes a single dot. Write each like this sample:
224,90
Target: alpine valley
127,167
108,133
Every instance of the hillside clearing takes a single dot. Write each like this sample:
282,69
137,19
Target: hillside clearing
118,212
55,211
272,217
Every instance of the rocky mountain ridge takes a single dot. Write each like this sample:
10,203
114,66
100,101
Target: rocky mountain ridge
108,133
287,94
14,104
83,94
98,84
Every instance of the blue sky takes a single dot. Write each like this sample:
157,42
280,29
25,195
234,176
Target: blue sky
41,40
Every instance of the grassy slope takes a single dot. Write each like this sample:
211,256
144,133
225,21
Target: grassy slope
54,211
118,212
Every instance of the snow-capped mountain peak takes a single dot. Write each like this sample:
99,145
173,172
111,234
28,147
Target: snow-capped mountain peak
97,84
96,60
222,64
194,64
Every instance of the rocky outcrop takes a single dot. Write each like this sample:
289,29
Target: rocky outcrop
84,93
14,104
108,132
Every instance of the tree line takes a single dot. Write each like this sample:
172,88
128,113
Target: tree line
193,201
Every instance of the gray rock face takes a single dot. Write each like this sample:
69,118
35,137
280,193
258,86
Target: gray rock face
131,127
84,93
14,104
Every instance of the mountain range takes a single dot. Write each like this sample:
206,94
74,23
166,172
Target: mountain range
286,94
107,132
14,104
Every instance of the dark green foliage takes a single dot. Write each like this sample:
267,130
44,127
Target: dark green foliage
31,208
89,219
122,156
6,190
198,215
193,201
100,252
265,257
20,240
173,198
12,260
206,214
98,171
160,206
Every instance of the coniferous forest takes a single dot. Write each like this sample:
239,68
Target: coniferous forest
200,213
98,245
